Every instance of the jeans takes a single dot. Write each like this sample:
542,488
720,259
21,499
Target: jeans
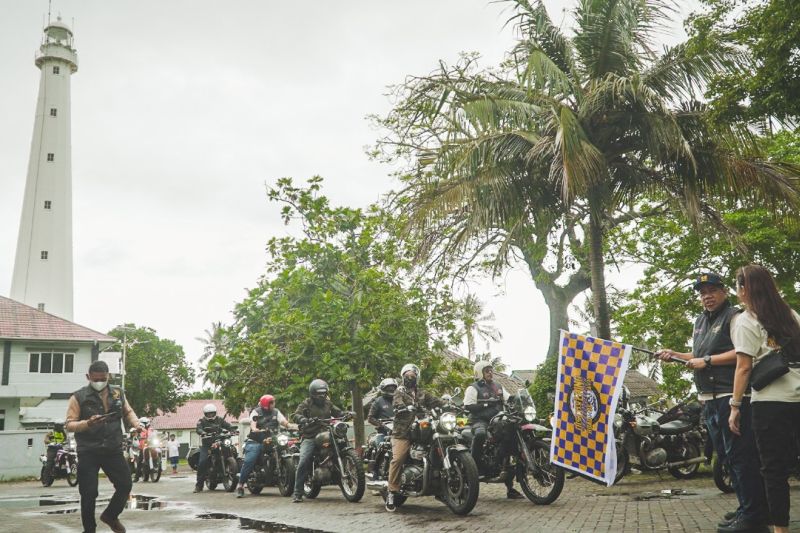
776,425
174,461
304,464
252,450
202,464
116,469
742,456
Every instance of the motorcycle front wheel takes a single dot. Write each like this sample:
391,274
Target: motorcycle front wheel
229,474
691,451
542,482
623,463
155,474
72,475
722,475
286,477
352,481
460,484
45,476
213,473
311,488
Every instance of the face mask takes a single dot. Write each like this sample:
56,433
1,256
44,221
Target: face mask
98,385
410,381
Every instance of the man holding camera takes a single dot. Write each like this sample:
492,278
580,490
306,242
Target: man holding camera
94,415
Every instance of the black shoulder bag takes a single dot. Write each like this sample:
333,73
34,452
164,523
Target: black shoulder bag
772,366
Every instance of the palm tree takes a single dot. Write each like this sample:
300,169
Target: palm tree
215,342
476,323
577,130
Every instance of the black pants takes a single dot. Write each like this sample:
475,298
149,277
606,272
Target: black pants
114,465
775,425
51,456
479,435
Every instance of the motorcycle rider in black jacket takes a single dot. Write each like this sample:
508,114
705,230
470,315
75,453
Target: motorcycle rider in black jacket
382,409
207,426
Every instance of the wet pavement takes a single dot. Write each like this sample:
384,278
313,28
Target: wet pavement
639,503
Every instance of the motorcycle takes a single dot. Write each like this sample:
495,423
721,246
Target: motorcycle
276,466
223,461
152,459
640,438
518,445
335,462
375,450
438,464
131,447
65,465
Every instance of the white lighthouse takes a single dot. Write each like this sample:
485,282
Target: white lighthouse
43,264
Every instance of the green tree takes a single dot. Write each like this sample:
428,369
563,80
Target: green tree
214,342
572,132
336,303
157,373
205,394
477,324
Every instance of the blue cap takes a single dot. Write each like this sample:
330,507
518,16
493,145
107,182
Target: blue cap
708,278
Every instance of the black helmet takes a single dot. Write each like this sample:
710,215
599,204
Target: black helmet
317,387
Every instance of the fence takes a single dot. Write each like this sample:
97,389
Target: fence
21,451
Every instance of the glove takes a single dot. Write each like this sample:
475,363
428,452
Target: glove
302,421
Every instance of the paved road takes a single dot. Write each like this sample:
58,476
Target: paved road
637,504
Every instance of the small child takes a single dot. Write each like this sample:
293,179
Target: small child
173,453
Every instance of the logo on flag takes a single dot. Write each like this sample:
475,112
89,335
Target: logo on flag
590,376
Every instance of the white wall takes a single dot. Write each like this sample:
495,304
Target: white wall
21,451
22,383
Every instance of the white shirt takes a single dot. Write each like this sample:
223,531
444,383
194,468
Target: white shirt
471,395
173,448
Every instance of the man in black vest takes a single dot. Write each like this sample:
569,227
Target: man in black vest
265,420
484,399
95,415
207,427
713,360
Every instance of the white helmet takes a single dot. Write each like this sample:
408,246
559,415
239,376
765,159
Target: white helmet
479,367
144,421
408,367
387,382
208,409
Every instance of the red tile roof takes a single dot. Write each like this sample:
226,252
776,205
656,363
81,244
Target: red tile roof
187,415
20,321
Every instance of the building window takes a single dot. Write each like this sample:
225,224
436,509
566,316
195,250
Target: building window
40,307
51,157
48,204
56,70
2,419
44,254
51,363
53,111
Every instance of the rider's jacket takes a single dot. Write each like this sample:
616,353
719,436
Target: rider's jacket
266,422
308,409
102,437
477,392
381,409
205,427
712,336
404,398
144,436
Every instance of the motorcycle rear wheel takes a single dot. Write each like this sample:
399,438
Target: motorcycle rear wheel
286,477
72,475
352,480
687,472
45,476
229,474
722,475
460,484
544,482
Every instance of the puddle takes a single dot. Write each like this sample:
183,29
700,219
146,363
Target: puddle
138,502
666,494
258,525
63,511
41,501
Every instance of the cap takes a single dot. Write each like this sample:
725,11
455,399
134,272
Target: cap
708,278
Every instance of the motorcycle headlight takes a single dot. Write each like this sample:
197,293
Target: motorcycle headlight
43,459
340,429
227,442
529,413
283,440
155,443
447,422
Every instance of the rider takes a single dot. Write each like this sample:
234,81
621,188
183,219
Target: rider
382,410
144,435
316,406
484,399
207,426
264,420
406,399
54,440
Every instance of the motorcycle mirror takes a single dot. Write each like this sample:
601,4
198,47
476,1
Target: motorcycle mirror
456,391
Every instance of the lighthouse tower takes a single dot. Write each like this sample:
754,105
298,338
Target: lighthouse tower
43,265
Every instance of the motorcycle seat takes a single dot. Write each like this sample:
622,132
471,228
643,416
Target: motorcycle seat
676,427
466,434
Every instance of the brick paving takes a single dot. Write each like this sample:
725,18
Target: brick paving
637,504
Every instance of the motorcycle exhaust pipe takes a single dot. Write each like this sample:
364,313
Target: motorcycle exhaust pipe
378,485
687,462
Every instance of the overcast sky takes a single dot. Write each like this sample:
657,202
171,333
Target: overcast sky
183,110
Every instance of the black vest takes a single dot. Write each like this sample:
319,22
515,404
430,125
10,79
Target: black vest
102,437
266,421
712,336
487,391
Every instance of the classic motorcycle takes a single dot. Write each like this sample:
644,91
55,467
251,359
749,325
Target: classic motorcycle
65,465
676,445
438,464
276,466
335,462
375,450
152,458
518,445
223,464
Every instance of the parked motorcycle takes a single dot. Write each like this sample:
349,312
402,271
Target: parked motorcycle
65,465
276,466
438,464
518,445
335,462
152,458
676,445
223,464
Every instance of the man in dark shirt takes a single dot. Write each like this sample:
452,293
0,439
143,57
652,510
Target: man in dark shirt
713,360
381,412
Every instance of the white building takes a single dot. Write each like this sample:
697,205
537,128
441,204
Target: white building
43,265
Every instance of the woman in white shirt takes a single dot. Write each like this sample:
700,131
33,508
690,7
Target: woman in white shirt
776,407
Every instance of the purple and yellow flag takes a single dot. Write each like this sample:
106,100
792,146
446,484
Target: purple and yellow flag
590,376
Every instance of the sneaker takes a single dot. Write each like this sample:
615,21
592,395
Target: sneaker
514,494
240,492
727,519
390,506
298,498
198,488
